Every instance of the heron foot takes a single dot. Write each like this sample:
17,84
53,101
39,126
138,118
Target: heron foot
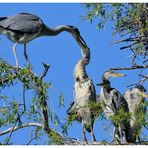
84,141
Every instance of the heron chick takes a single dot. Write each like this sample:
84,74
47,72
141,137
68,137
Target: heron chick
137,107
113,101
84,93
24,27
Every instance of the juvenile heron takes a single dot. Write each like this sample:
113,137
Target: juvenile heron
135,99
24,27
113,101
84,94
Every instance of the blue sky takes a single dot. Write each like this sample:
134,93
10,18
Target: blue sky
62,53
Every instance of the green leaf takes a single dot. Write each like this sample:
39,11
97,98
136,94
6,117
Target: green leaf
61,100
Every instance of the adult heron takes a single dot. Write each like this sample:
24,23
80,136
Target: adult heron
84,95
137,107
24,27
113,101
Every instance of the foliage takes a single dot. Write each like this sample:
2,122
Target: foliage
14,113
130,21
141,116
96,109
121,116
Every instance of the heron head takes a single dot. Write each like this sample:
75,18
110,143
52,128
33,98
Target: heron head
141,91
76,34
109,74
74,29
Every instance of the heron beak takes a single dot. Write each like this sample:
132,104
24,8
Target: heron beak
82,43
118,75
144,95
100,84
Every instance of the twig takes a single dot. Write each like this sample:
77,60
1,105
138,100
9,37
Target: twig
45,71
146,77
125,40
130,68
24,100
12,129
128,46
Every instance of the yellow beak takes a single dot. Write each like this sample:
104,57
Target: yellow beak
144,95
118,75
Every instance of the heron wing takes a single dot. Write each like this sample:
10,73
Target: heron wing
71,108
22,22
92,91
118,100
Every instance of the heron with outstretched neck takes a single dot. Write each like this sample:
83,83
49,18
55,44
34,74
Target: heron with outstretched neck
84,94
137,107
113,101
24,27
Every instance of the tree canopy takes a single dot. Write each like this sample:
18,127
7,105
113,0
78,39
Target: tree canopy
130,24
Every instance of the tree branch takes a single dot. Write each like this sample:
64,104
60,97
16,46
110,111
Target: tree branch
45,71
130,68
19,127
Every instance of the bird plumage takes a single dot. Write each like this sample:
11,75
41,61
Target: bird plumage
22,22
24,27
112,101
84,94
135,100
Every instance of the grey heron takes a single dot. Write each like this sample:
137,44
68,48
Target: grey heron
135,99
24,27
84,94
113,101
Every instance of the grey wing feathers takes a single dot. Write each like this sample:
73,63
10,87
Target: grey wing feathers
2,18
72,108
118,101
23,22
93,92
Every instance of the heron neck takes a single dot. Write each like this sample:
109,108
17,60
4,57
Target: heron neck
86,56
106,83
55,31
79,71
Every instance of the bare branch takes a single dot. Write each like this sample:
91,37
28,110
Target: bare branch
124,47
130,68
45,71
19,127
24,99
12,129
125,40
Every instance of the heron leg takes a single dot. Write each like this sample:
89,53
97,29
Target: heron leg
84,140
25,54
124,137
14,52
116,136
92,135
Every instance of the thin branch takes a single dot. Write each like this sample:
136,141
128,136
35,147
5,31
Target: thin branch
126,40
12,129
45,71
130,68
20,127
24,99
146,77
124,47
